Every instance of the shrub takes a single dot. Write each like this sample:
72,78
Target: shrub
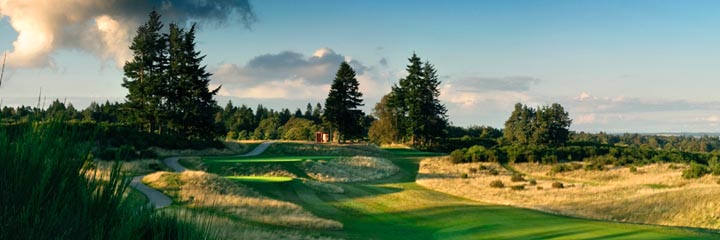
497,184
494,172
548,159
539,188
633,169
476,154
565,167
517,178
472,170
457,156
483,167
55,196
231,135
714,165
518,187
557,185
533,182
695,170
464,175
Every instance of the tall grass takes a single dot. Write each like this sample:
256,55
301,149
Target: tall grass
48,192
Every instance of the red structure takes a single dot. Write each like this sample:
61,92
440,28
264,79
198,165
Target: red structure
322,137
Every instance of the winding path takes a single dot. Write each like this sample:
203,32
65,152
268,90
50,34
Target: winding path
160,200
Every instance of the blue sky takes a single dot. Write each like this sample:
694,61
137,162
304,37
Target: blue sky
617,66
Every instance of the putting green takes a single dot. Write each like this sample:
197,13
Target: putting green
260,179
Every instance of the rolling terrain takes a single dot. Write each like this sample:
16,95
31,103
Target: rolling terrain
398,208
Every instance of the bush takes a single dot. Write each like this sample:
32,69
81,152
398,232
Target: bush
497,184
483,167
472,170
539,188
231,135
533,182
557,185
518,187
494,172
55,198
517,178
464,175
695,170
565,167
714,165
457,156
633,169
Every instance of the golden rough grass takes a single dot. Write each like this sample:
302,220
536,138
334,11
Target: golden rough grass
350,169
655,194
209,191
226,228
231,148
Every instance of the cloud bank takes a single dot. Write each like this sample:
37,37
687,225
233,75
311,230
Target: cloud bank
288,75
101,27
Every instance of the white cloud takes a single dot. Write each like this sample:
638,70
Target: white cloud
585,119
100,27
291,75
583,96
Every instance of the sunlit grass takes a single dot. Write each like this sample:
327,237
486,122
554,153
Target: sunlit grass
268,179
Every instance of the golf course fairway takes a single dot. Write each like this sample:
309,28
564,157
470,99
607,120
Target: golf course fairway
398,208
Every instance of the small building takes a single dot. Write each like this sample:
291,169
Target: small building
322,137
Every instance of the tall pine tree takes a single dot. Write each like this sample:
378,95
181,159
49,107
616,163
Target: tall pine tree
421,118
145,75
168,85
190,101
341,105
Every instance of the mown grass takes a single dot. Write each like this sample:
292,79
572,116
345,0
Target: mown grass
268,179
259,159
47,191
397,208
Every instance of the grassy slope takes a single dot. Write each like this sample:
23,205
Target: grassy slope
397,208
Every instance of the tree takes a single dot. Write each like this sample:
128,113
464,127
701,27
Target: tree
421,118
299,129
547,125
144,75
190,101
341,105
384,130
168,85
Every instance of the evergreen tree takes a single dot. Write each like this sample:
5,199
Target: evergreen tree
341,105
145,75
191,104
421,118
317,113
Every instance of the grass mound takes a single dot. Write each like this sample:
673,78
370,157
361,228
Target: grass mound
211,192
315,149
260,179
350,169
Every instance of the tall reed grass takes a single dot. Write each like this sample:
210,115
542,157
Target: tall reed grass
48,192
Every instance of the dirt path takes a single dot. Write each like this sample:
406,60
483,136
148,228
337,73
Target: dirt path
160,200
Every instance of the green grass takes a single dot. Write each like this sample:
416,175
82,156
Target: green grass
398,208
46,194
267,179
260,159
657,186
